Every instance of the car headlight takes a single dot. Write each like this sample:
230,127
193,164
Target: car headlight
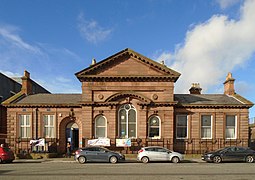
209,155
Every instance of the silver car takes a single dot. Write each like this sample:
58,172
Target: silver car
156,153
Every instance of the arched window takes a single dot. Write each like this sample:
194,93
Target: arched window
154,127
127,121
100,126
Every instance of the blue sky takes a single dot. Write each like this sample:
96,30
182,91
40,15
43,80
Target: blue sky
201,39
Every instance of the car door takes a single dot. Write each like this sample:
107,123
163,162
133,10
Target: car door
101,154
162,154
230,154
90,153
241,153
152,154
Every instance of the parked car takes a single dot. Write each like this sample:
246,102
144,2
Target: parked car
6,155
233,153
156,153
97,154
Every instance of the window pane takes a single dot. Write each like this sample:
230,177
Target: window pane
52,120
230,133
131,115
46,132
181,120
22,121
28,132
181,132
230,121
122,116
27,120
123,130
154,132
206,132
154,121
100,132
206,120
22,133
46,120
100,121
51,132
132,130
181,126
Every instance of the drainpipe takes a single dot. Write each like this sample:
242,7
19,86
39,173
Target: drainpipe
36,123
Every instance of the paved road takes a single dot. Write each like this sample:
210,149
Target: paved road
131,170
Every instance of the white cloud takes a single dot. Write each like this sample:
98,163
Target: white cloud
92,31
10,34
224,4
213,48
17,55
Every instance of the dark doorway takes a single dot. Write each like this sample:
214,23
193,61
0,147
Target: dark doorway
72,135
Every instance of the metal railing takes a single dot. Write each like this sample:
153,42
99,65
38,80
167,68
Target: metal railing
186,146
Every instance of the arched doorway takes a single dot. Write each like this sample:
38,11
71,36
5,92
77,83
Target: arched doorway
72,135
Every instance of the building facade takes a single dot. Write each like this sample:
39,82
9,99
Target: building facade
11,87
129,96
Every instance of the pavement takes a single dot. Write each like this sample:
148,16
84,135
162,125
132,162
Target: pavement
129,158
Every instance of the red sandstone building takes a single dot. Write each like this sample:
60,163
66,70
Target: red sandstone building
128,95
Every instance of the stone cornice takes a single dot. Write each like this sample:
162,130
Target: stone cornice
43,105
209,106
93,78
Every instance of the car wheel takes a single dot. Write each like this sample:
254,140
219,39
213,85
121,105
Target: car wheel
1,161
82,159
217,159
145,160
175,159
249,159
113,160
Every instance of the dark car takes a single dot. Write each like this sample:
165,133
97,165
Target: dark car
230,154
6,155
97,154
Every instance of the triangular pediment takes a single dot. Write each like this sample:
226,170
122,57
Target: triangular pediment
127,64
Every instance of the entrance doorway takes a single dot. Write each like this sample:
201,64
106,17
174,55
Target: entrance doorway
72,135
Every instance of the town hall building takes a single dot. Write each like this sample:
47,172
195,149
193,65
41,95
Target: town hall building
128,96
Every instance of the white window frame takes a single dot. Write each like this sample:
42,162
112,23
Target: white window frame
127,123
25,126
159,126
48,117
206,126
187,130
105,126
235,127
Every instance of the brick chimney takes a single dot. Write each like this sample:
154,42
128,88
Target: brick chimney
26,83
195,88
229,88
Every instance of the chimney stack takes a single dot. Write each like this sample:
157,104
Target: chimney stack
195,88
26,83
229,88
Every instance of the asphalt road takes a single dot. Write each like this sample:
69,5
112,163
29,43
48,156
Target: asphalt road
130,170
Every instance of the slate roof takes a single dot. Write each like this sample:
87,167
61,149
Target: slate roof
183,100
50,99
209,100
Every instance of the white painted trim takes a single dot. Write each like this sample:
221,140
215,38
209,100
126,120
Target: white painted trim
159,127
